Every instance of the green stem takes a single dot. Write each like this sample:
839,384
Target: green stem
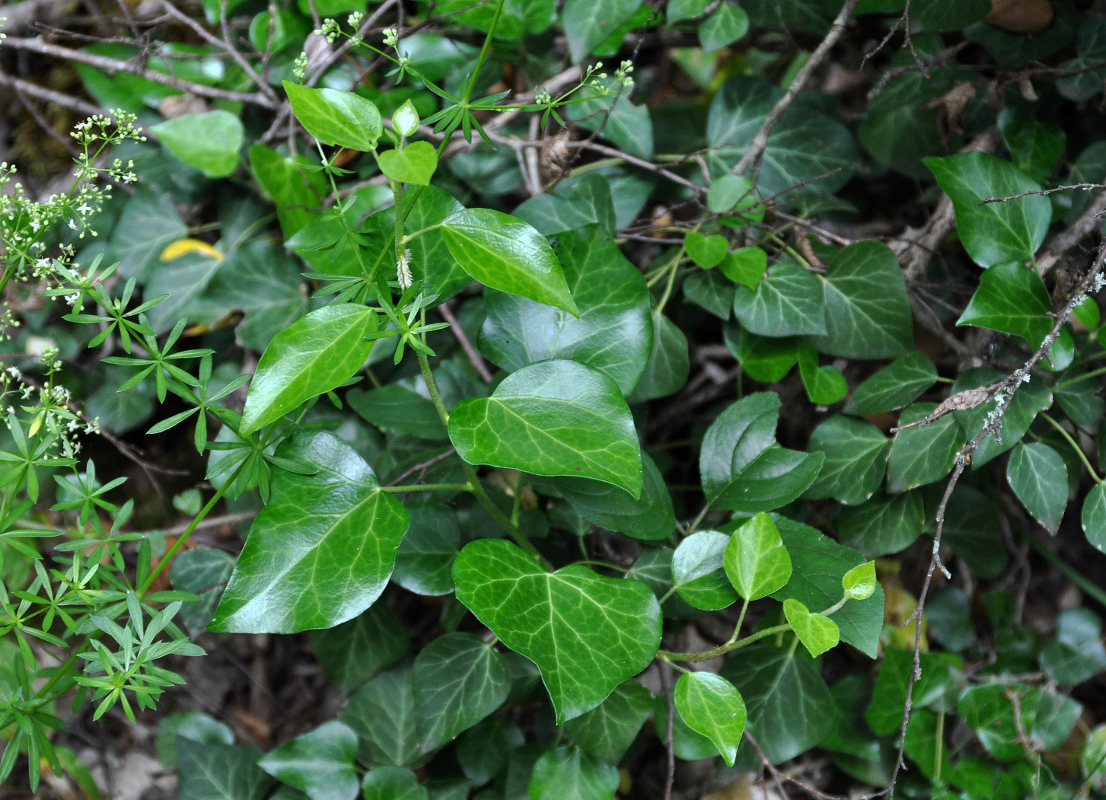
1085,376
728,647
471,87
1074,446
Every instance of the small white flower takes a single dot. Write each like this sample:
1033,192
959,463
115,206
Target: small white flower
403,270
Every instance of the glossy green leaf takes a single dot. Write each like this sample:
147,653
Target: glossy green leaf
787,301
571,205
755,560
885,524
746,266
609,729
459,679
1094,517
825,385
568,773
698,572
335,117
817,633
586,633
819,567
867,313
706,251
1077,653
353,652
553,418
314,354
424,561
742,467
613,332
726,25
1030,399
384,716
922,454
897,384
762,358
403,406
414,164
505,253
789,706
195,726
860,582
668,365
321,551
296,191
392,783
320,763
1039,478
711,706
589,22
995,233
647,518
1011,299
221,771
856,460
209,142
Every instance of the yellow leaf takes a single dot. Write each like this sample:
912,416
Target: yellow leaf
183,247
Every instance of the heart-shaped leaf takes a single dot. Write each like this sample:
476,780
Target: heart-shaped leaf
568,773
609,730
314,354
414,164
553,418
712,706
824,385
336,117
319,763
706,251
1039,478
859,582
321,551
755,560
745,265
505,253
587,633
856,459
787,301
817,633
392,783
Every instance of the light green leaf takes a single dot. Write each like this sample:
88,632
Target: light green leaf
553,418
505,253
727,190
762,358
867,313
568,773
209,142
405,119
1094,517
755,560
608,730
711,706
321,551
698,572
885,524
314,354
588,22
392,783
613,332
745,265
1039,478
297,192
459,679
817,633
586,633
334,117
995,233
320,763
859,582
706,251
414,164
895,385
789,705
787,301
922,454
856,459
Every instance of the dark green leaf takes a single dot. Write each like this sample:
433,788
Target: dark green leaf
1039,478
726,25
568,773
1077,653
571,205
856,459
589,22
884,712
1035,146
149,223
403,406
973,532
319,763
885,524
608,730
668,365
1010,48
392,783
553,418
698,573
424,561
483,750
586,633
711,290
321,551
1030,398
383,714
192,725
787,301
203,571
922,454
1090,50
219,772
894,386
1094,517
353,652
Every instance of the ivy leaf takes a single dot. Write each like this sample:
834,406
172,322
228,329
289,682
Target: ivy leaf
859,582
220,771
568,773
586,633
459,679
1094,517
424,561
698,573
505,253
392,783
726,25
1030,399
824,385
762,358
923,454
313,355
856,459
553,418
1011,299
608,730
1039,478
321,551
742,467
335,117
885,524
414,164
755,560
817,633
995,233
867,312
787,301
319,763
588,22
353,652
894,386
706,251
668,365
209,142
613,332
713,707
383,714
746,265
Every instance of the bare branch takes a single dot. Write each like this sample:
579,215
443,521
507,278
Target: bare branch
1064,188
